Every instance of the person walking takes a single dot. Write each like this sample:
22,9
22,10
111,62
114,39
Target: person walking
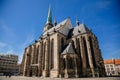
6,74
9,75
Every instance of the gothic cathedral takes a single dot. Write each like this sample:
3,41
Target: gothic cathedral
64,51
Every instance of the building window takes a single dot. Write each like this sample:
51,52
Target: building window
44,51
79,52
111,65
37,54
107,65
113,72
108,69
34,54
73,44
70,60
86,52
76,41
64,63
92,51
62,44
111,68
52,53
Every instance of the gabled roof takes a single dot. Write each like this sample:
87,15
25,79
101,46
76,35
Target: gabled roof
68,49
80,29
59,27
83,28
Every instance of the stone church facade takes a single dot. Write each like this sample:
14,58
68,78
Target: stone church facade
64,51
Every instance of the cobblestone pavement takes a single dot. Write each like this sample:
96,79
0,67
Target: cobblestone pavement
39,78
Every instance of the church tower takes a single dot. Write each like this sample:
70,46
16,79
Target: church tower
48,24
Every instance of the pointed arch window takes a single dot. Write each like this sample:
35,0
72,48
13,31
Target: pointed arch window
71,61
76,43
34,54
30,53
79,52
64,63
92,51
73,44
52,53
86,52
62,44
37,54
44,49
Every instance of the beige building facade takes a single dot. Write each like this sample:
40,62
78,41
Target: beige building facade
64,51
8,64
112,67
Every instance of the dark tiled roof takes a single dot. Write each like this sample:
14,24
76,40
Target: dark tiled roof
80,29
56,27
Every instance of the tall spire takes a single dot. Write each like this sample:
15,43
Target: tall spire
48,24
49,18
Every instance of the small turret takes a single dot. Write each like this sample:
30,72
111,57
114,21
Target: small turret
77,22
55,22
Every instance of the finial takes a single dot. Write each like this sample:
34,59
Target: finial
77,22
55,22
49,18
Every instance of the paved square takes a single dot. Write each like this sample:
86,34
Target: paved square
40,78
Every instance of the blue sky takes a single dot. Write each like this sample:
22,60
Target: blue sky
22,22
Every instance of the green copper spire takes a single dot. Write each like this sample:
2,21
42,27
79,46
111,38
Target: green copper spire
49,18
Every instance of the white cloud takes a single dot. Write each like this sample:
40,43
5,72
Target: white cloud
11,52
6,48
9,47
2,45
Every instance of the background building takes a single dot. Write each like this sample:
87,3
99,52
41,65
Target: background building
64,51
112,67
8,63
